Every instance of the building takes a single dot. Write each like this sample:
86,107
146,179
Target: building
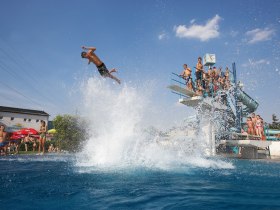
16,118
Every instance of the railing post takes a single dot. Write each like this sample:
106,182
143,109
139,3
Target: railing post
237,104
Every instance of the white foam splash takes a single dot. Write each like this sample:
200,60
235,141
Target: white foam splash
118,138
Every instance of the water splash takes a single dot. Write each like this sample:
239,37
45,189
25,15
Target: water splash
120,137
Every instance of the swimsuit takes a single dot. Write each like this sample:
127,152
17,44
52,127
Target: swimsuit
187,78
103,70
43,135
258,124
198,75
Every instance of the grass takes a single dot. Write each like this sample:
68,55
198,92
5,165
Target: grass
27,153
24,153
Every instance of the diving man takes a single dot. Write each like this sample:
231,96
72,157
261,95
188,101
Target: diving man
92,57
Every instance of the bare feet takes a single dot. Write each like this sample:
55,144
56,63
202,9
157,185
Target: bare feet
118,81
113,70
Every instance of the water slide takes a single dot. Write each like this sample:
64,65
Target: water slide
272,131
271,134
246,100
251,104
272,138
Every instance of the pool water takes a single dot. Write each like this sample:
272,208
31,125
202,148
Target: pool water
56,182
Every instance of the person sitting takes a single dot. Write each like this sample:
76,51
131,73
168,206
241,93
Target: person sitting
34,145
190,85
199,89
51,148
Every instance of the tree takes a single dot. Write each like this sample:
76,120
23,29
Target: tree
275,124
71,132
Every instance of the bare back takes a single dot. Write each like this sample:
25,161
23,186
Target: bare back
92,57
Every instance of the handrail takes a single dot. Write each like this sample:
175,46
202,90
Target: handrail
180,94
178,81
176,74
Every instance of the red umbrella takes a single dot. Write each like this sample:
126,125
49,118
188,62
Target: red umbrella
17,133
26,131
16,137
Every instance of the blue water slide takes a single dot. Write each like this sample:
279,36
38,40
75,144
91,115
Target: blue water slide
272,131
231,103
272,138
251,104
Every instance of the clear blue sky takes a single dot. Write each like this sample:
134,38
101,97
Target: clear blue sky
40,41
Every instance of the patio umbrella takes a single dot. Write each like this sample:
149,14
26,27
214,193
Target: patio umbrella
17,133
16,137
26,131
52,131
31,131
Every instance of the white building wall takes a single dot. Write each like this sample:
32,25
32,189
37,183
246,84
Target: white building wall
18,120
274,150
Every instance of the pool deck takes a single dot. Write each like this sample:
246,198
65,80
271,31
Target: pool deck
250,148
249,143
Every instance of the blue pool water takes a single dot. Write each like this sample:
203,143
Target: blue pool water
55,182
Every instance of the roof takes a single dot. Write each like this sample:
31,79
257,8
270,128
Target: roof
23,111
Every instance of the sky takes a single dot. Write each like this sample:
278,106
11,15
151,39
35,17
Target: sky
40,45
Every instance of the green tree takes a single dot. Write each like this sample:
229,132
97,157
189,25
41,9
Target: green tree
275,122
71,132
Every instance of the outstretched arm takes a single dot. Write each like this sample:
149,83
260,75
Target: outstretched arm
89,48
182,74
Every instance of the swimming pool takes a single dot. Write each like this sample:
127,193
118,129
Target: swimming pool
56,182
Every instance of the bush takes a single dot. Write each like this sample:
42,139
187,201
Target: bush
71,132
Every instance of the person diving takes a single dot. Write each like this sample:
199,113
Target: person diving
93,58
